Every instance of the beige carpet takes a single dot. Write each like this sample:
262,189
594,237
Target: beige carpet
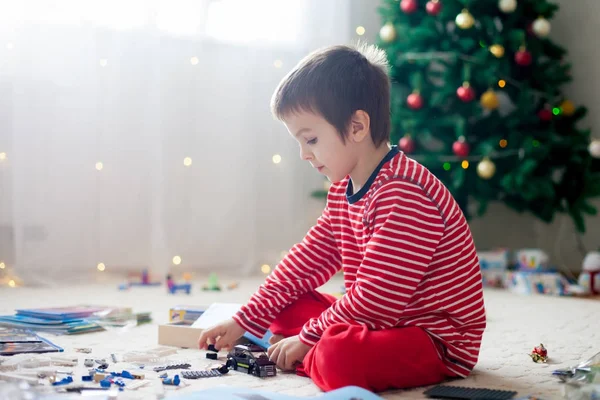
568,327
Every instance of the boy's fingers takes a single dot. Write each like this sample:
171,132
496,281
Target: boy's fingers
202,341
207,337
222,343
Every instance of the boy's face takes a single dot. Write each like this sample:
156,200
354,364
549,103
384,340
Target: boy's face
321,145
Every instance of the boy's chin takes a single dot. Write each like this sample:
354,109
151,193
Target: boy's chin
334,179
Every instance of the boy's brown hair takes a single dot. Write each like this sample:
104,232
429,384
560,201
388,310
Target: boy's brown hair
336,81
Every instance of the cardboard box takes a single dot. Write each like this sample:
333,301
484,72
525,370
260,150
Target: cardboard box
191,313
179,334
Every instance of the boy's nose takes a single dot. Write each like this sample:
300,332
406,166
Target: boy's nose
305,155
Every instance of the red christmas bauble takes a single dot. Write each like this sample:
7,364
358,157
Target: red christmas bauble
523,57
414,101
461,148
545,115
466,93
407,144
433,7
409,6
541,350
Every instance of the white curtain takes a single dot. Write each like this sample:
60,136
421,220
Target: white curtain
136,132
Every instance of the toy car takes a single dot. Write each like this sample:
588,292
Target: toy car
251,359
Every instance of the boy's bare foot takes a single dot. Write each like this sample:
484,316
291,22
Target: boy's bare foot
275,338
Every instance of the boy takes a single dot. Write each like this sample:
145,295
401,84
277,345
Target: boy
413,312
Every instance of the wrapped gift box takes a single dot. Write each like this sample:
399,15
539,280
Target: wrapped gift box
494,265
537,282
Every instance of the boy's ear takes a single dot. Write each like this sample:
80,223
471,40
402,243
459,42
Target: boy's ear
360,126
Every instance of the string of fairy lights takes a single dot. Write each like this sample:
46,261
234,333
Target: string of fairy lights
464,20
11,280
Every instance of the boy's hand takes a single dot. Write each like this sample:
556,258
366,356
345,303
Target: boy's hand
288,352
222,335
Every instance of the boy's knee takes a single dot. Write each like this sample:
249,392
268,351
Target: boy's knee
339,358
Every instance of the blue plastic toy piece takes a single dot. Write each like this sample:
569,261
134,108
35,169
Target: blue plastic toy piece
184,287
105,383
119,382
172,381
127,375
87,378
63,381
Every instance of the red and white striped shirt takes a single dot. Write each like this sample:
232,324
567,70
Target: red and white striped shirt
408,259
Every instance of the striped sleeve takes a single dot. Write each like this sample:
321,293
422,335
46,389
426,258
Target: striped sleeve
308,265
406,228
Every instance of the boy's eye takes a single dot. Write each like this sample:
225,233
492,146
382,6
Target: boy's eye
312,141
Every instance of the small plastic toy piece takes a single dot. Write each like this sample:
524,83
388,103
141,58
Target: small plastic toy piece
105,383
455,392
539,354
85,350
174,288
171,366
119,382
88,362
252,360
86,378
114,358
63,381
205,374
127,375
98,377
144,280
175,381
145,277
211,347
212,356
213,283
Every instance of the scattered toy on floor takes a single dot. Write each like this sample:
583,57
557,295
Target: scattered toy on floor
252,360
213,283
174,288
175,381
171,366
456,392
85,350
144,281
214,372
64,381
539,354
212,353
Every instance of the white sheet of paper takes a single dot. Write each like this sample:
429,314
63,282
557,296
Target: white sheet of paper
217,312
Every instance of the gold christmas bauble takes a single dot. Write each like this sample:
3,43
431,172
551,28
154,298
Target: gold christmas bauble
486,168
507,6
387,33
464,20
489,100
567,107
497,50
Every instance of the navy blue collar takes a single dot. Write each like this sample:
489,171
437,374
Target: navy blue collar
353,198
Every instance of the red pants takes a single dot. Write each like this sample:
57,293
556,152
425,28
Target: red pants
352,355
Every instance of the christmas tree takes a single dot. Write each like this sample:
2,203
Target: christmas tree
476,98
